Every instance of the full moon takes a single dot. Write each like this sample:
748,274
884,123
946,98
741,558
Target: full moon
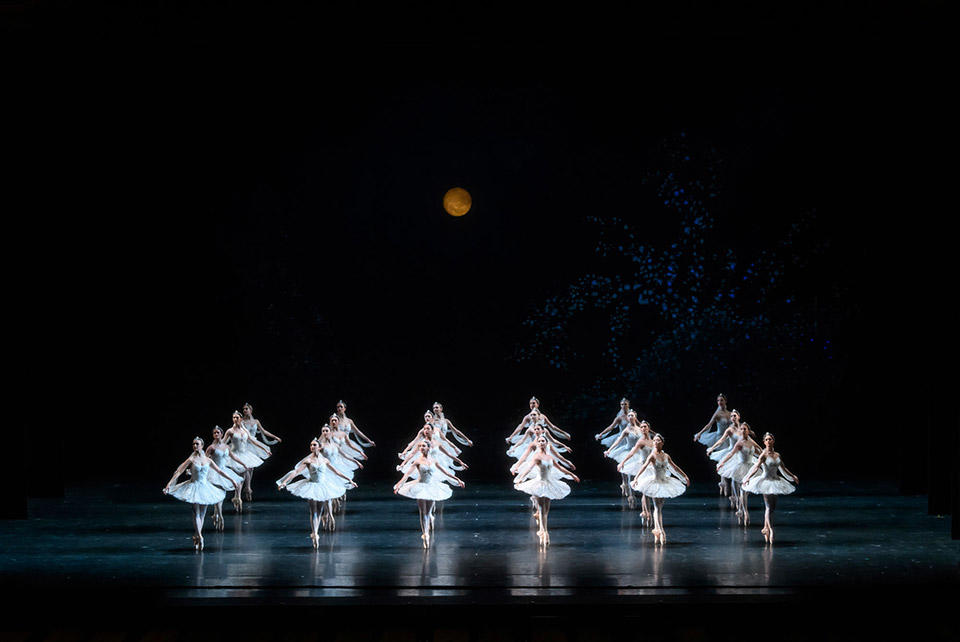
457,201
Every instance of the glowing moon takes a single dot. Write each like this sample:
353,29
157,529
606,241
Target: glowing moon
457,201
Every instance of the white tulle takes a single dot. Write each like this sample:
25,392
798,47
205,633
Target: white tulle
768,481
198,489
662,484
243,450
739,465
321,485
544,480
634,464
426,486
709,437
221,457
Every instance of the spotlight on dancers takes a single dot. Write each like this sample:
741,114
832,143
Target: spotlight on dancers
198,491
770,483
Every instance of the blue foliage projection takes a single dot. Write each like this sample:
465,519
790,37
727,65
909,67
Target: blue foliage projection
657,314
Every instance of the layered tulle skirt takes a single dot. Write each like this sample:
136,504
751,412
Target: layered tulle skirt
551,487
220,482
736,468
433,490
321,490
658,487
197,492
762,485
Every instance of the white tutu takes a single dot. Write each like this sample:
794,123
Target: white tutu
768,481
198,489
634,464
417,489
242,449
660,484
426,486
709,437
739,465
721,452
255,436
221,458
321,485
544,480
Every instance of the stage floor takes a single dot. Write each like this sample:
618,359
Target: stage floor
829,538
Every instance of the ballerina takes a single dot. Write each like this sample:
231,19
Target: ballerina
222,457
426,488
198,491
539,431
721,447
440,455
769,484
525,422
667,481
319,489
608,434
544,484
623,445
257,432
244,450
349,426
428,420
736,464
631,462
446,426
536,428
720,419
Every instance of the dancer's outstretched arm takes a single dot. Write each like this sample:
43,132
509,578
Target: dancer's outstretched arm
713,420
527,468
403,479
453,457
726,433
752,471
733,451
411,447
456,431
451,476
293,473
783,469
563,460
439,433
633,451
644,467
362,436
349,458
568,472
269,435
559,432
336,472
623,433
516,430
348,444
182,467
603,433
677,470
236,486
558,444
523,458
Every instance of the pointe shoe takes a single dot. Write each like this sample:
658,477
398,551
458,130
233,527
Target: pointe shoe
196,543
432,520
315,539
656,535
770,536
746,519
541,536
426,540
201,543
766,534
248,495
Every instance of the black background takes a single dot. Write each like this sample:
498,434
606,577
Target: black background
218,204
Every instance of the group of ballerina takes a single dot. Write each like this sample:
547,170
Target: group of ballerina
742,465
428,464
539,470
430,461
323,476
644,467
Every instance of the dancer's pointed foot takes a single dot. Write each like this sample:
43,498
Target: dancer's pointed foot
248,495
237,504
766,534
426,540
315,539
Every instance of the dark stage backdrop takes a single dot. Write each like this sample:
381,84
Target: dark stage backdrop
213,229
